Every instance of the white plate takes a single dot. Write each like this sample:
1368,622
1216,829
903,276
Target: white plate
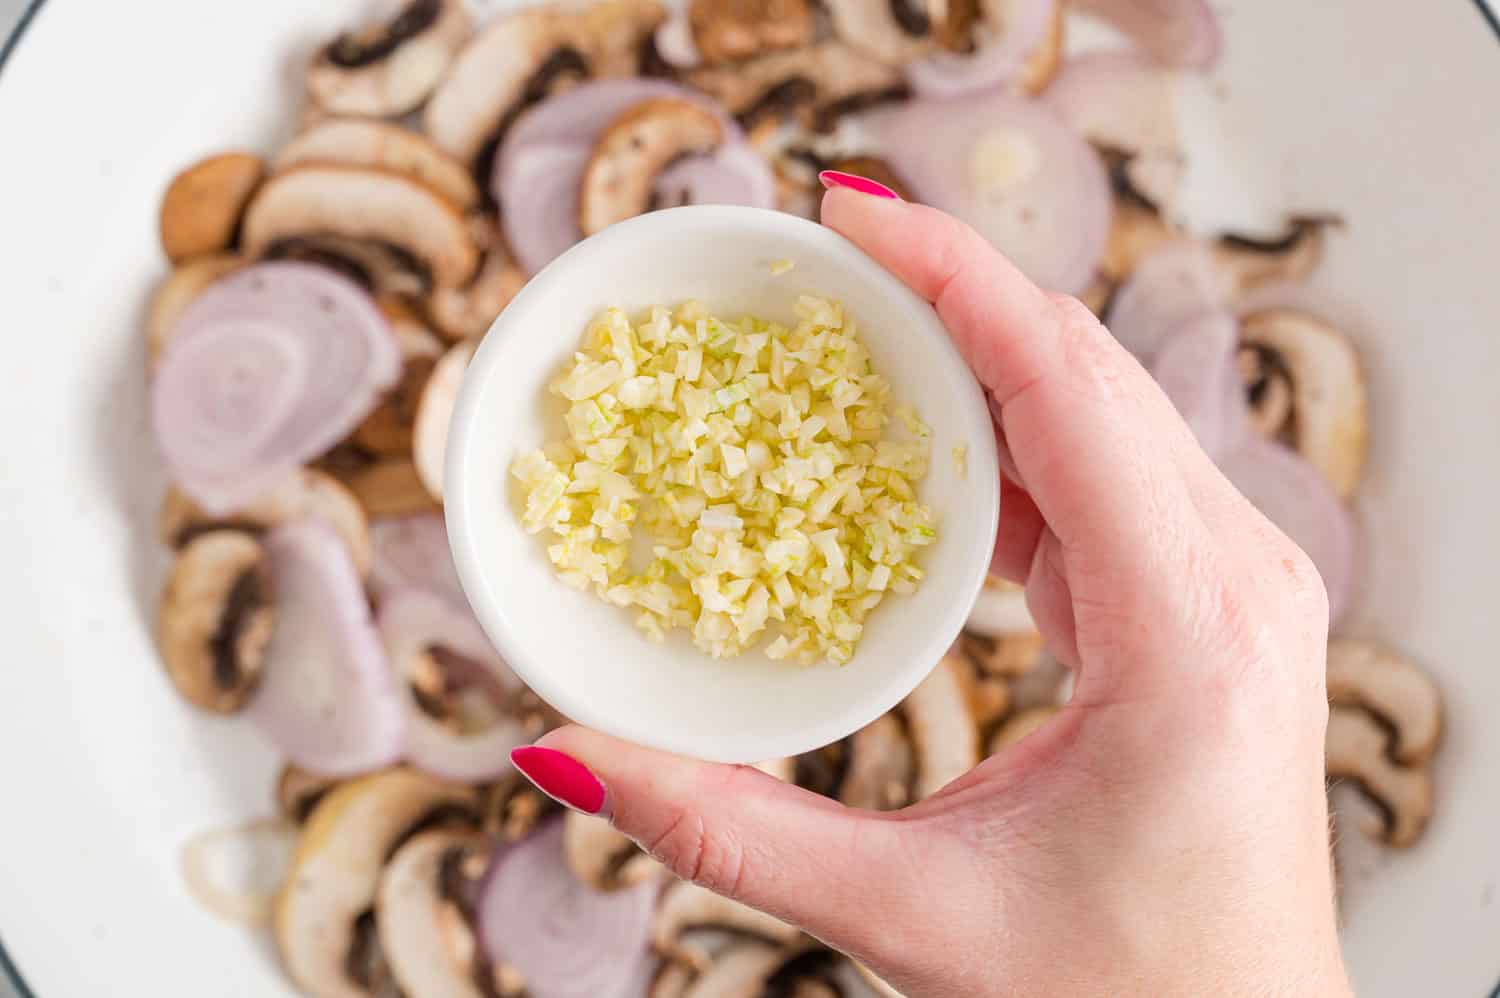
1382,110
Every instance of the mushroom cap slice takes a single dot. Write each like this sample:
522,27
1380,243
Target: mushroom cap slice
517,59
216,618
308,493
1019,726
202,207
1328,419
299,790
322,199
602,857
468,312
943,731
1369,675
1008,655
1359,749
685,907
618,181
177,291
1246,264
427,941
739,971
382,145
389,67
1137,229
881,766
731,30
893,31
821,81
435,412
336,870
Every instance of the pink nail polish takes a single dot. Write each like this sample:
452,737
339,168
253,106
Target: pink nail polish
561,777
864,185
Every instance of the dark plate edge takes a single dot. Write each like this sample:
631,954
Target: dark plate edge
8,968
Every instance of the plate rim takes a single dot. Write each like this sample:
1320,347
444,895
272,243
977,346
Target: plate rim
10,973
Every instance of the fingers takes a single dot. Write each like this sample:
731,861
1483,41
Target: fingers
742,833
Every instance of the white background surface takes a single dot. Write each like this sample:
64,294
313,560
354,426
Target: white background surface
1435,515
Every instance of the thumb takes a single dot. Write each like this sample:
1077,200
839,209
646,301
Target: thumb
736,830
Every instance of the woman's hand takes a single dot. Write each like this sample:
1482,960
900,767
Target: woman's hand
1167,832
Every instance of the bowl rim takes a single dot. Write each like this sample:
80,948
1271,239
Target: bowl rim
461,506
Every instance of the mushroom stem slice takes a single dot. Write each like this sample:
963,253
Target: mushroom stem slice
618,180
201,210
358,203
1359,749
216,619
1369,675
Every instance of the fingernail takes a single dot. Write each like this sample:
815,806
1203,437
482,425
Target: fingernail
864,185
561,777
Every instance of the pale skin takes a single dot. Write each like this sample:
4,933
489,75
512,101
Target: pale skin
1167,833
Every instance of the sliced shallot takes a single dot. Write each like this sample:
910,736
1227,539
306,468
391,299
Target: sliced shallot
1197,366
266,369
1002,45
541,163
1175,32
565,939
1013,170
326,698
414,626
1168,288
1295,496
411,552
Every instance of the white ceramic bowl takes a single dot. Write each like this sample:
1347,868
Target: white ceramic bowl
585,657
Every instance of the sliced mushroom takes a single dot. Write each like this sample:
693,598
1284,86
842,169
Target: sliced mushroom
308,493
732,30
389,67
618,181
298,791
387,431
1000,610
1019,726
520,58
336,872
511,807
988,695
1307,389
817,84
186,281
685,907
1360,749
1371,676
749,968
435,412
942,728
388,487
201,210
235,871
467,312
426,931
893,31
882,766
602,857
1008,655
1046,59
357,203
382,269
1137,229
215,619
1247,263
386,146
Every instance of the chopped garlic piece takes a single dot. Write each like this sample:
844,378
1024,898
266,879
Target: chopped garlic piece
779,267
757,461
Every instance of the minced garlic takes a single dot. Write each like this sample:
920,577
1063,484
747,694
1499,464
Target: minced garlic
759,461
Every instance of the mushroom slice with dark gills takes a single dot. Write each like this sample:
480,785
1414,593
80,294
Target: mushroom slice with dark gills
685,908
1393,689
726,31
893,31
298,791
929,740
305,494
1248,263
1307,390
389,67
467,312
200,213
215,619
424,914
520,58
752,968
815,85
322,916
463,708
362,204
621,174
602,857
1360,749
383,145
994,44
